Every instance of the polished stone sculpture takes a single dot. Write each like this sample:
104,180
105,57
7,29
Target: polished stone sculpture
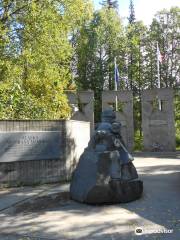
105,172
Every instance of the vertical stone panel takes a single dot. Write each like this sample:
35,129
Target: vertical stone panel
124,113
83,104
158,122
76,142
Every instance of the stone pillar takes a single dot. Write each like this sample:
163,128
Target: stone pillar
124,113
158,122
82,103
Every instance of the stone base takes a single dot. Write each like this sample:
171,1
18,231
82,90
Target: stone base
94,181
115,192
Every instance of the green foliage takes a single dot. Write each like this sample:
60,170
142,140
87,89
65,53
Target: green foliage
110,3
99,41
36,55
164,30
135,35
138,141
132,17
49,46
17,103
103,38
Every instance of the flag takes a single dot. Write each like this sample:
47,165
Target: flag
159,55
159,60
116,74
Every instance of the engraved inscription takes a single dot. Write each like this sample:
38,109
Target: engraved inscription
158,122
21,146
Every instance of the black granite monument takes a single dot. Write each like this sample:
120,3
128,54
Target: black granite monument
105,172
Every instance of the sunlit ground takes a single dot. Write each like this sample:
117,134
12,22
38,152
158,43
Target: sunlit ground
50,217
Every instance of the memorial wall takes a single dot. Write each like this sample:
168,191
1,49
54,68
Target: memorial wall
158,123
34,152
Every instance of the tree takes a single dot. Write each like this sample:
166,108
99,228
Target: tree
99,42
110,4
36,56
131,17
164,30
136,39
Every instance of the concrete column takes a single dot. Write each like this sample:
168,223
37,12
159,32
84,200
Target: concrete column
158,122
124,114
83,104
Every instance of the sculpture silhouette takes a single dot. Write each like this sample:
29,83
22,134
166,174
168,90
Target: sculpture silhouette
105,172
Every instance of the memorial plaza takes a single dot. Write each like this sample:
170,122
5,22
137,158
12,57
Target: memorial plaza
46,212
89,120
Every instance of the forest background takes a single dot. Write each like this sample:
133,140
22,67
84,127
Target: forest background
50,46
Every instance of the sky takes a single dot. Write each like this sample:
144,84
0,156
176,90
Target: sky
144,9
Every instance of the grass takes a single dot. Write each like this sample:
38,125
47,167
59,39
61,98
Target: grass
178,137
138,142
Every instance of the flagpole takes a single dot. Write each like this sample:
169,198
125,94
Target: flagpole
115,85
159,83
158,73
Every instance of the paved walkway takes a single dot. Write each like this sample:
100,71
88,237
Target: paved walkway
45,212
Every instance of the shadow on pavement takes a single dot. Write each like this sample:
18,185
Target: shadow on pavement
57,217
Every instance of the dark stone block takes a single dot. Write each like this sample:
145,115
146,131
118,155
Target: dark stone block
22,146
105,172
92,182
115,192
126,191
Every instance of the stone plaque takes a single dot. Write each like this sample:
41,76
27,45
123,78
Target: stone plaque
158,122
22,146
